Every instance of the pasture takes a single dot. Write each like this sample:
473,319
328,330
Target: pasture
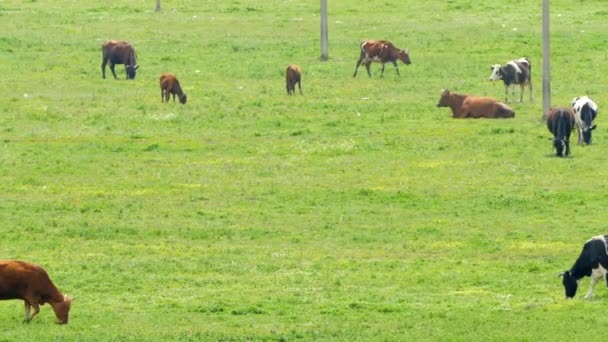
358,211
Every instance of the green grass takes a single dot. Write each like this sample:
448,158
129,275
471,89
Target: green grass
359,211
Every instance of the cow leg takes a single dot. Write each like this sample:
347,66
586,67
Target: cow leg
361,56
506,93
27,310
36,310
112,69
595,277
162,95
530,86
396,67
300,86
521,92
369,72
167,96
103,68
567,143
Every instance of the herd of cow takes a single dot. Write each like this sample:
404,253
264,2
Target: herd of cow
31,283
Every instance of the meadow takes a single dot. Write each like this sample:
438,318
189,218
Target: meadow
357,212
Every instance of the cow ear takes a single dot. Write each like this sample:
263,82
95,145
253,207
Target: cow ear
136,67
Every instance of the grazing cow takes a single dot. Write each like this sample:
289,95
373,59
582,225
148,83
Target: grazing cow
293,75
518,71
119,52
23,280
593,262
381,51
465,106
585,111
560,122
169,85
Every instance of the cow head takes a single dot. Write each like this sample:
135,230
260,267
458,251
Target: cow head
183,98
587,133
404,56
570,284
496,72
444,99
131,71
62,309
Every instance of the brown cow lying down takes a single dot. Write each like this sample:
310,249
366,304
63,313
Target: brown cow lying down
465,106
23,280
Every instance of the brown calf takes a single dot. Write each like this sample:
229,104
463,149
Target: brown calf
169,85
465,106
31,283
381,51
293,75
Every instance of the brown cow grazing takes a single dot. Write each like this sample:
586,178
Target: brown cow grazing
119,52
293,75
23,280
560,122
169,85
381,51
465,106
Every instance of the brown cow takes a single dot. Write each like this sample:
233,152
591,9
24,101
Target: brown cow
465,106
119,52
23,280
381,51
293,75
560,122
169,85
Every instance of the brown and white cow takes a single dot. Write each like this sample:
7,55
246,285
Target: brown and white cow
466,106
119,52
169,85
293,75
560,122
381,51
31,283
518,71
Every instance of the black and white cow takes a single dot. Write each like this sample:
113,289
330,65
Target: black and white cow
593,262
585,111
517,71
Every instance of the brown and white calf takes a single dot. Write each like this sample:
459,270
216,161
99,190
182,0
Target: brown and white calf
381,51
293,76
466,106
518,71
31,283
169,85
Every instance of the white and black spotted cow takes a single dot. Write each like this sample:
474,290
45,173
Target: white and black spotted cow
517,71
585,111
593,262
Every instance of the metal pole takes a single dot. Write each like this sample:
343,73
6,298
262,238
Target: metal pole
324,35
546,60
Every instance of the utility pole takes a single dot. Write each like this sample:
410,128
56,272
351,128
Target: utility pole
324,35
546,60
157,5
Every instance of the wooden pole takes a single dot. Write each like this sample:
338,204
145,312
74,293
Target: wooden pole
324,34
546,60
157,5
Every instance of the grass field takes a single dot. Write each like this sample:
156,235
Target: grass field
357,212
